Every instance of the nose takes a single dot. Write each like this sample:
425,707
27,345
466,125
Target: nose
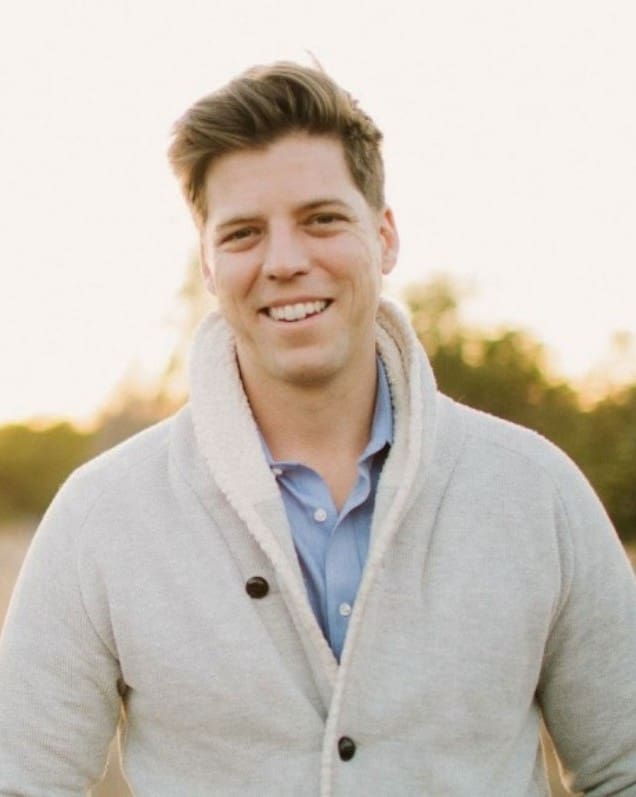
285,256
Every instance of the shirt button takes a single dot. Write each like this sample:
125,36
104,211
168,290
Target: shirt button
320,515
344,609
256,587
277,471
346,748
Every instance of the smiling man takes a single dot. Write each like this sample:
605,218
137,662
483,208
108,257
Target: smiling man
321,577
296,255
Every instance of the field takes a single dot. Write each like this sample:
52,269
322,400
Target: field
14,542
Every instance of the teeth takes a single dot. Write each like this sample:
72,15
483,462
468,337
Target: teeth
296,312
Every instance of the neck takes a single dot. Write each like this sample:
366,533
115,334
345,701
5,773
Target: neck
325,427
296,417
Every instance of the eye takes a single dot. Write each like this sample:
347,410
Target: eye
326,218
238,238
326,222
238,235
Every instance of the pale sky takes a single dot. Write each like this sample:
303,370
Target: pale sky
509,146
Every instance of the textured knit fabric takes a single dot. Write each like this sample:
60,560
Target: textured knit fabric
494,591
332,546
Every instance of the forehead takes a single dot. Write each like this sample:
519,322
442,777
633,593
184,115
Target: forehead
298,168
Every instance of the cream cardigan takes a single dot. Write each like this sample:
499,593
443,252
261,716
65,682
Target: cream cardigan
495,591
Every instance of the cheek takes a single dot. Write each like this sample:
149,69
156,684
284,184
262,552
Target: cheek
233,278
349,259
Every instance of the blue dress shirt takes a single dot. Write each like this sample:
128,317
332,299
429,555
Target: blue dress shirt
332,547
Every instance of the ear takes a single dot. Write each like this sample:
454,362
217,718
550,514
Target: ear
390,240
206,270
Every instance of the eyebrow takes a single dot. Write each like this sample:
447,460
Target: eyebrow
234,220
252,217
318,203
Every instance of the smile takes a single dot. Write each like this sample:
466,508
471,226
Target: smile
298,311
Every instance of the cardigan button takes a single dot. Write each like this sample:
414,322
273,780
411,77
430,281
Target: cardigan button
256,587
346,748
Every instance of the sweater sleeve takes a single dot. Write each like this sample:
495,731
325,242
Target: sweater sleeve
588,684
59,679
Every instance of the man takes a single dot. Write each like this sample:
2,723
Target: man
321,576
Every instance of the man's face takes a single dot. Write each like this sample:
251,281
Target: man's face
295,256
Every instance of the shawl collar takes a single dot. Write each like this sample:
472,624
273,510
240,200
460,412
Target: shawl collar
227,436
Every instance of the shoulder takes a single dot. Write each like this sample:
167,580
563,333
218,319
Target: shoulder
522,460
510,478
117,465
119,482
495,437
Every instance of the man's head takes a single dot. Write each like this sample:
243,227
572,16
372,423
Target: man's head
284,176
263,105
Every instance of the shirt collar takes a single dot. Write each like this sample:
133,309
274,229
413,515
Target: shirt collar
382,424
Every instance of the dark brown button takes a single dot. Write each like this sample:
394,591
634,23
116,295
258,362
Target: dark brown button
346,748
256,587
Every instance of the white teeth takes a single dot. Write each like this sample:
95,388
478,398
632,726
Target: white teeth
296,312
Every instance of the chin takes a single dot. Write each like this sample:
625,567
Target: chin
309,372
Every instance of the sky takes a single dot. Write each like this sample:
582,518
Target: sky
509,146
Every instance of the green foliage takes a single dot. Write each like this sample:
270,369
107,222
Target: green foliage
34,463
506,374
610,457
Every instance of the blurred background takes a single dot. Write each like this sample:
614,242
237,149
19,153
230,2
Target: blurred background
509,133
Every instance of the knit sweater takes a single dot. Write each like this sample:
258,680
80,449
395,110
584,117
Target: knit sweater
495,592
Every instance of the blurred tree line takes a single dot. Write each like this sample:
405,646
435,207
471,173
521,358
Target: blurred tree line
507,374
504,373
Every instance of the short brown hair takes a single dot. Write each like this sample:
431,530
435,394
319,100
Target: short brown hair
264,104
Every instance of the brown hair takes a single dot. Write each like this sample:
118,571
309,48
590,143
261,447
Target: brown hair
262,105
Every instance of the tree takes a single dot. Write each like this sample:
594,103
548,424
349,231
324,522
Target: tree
610,457
34,463
506,374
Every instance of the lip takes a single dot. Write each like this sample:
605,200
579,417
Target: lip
289,320
295,300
